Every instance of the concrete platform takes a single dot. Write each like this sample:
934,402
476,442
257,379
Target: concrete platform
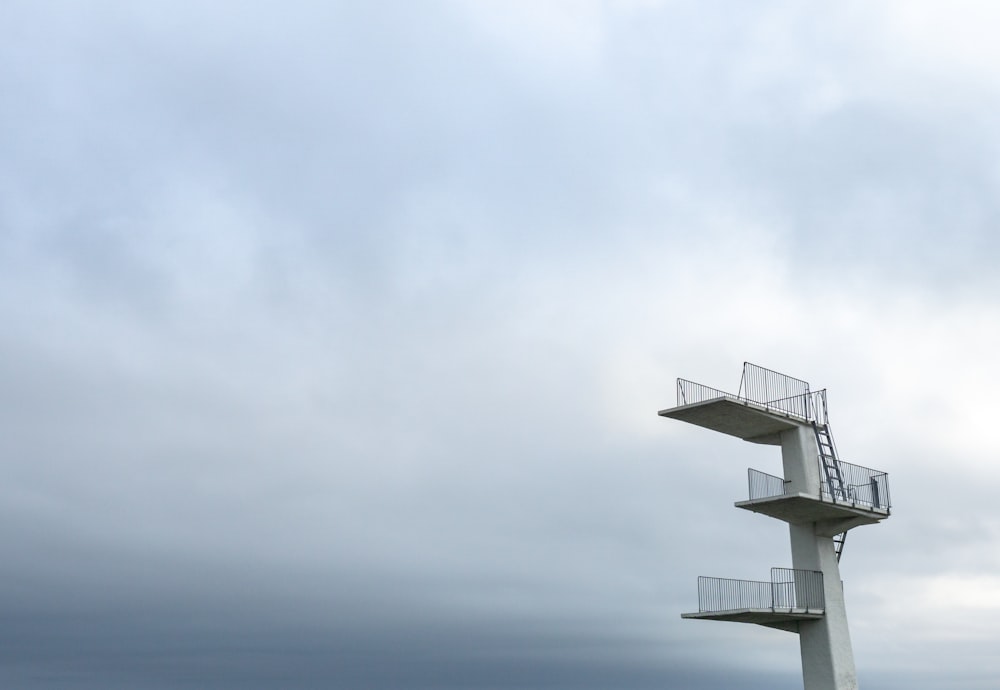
744,420
799,508
782,619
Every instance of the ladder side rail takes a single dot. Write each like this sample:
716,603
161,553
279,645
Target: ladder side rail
829,462
838,544
844,488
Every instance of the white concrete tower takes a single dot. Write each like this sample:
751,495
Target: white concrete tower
820,496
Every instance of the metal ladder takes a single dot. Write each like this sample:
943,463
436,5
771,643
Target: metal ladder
831,465
838,544
834,475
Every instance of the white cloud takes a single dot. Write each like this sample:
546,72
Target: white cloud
565,36
952,41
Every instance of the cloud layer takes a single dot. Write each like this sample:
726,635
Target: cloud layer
333,336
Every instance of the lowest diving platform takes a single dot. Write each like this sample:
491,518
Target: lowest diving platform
790,597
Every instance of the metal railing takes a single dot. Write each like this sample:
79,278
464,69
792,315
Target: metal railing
725,594
810,407
789,589
763,485
770,390
798,589
689,393
861,485
760,384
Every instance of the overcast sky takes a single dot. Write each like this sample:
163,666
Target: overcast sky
332,336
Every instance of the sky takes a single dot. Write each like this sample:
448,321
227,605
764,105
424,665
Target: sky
332,336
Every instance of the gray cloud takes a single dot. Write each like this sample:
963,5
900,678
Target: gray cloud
333,339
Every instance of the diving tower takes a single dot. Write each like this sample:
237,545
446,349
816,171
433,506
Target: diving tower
820,497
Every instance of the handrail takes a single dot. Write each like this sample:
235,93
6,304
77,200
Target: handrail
760,386
807,406
798,589
789,589
763,485
759,383
689,393
864,487
810,407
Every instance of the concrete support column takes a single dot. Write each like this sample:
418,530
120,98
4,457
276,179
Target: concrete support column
800,460
825,644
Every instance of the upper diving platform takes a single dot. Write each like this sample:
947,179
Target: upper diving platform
767,404
735,417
